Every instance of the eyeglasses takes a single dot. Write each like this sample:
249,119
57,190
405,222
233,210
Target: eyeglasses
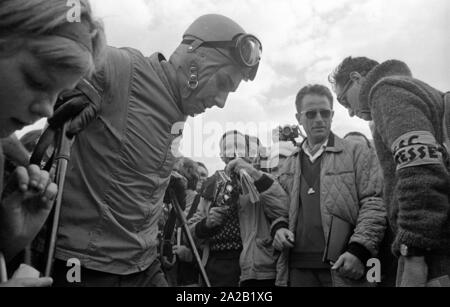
340,98
312,114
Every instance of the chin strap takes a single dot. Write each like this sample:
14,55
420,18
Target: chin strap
193,77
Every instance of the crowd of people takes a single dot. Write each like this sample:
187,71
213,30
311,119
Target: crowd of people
309,213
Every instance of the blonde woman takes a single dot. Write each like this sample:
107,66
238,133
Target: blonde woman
42,54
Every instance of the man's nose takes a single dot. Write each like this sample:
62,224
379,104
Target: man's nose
319,118
221,99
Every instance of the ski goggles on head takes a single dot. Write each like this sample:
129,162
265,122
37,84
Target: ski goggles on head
246,50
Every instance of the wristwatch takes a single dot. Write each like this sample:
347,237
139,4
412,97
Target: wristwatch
407,251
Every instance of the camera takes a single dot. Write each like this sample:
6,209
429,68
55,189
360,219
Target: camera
289,133
228,190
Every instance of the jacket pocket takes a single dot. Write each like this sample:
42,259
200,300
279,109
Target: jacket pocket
264,255
341,198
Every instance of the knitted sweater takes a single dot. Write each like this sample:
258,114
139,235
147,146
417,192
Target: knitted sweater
408,118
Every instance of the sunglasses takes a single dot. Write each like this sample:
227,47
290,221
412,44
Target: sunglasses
325,114
341,98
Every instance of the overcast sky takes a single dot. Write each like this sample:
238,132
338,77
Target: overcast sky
303,41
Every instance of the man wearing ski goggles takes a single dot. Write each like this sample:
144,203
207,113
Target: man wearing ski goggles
245,51
215,55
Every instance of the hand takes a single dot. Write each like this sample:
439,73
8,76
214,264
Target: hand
26,276
178,184
15,151
284,239
26,204
28,282
216,217
239,164
183,252
349,266
168,265
80,106
413,272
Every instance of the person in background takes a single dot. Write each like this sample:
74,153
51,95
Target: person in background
330,182
203,173
279,152
235,234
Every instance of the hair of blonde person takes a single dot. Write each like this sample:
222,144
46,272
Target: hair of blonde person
37,25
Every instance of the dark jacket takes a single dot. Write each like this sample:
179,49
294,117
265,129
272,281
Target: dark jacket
408,119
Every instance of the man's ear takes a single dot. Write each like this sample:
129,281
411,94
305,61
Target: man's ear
355,76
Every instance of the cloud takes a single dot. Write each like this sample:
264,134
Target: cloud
303,40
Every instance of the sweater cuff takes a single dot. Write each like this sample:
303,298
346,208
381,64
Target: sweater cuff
277,227
203,232
359,251
264,183
413,241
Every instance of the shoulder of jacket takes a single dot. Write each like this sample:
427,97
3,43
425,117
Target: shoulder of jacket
395,82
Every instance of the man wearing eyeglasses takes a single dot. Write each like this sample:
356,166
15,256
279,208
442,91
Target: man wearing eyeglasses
409,137
329,181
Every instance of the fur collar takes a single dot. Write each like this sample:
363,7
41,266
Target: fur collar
386,69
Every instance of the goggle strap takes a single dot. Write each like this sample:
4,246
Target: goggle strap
219,44
194,44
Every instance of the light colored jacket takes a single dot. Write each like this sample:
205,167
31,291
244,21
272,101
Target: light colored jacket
257,260
350,188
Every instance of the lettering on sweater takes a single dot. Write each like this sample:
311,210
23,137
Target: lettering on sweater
416,148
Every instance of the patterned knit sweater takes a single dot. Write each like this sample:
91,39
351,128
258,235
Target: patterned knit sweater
228,236
408,118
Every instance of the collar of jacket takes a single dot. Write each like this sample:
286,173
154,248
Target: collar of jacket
334,145
386,69
158,62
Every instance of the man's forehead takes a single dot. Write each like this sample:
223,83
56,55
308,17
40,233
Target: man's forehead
313,102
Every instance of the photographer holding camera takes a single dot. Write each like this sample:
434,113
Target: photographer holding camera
233,230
